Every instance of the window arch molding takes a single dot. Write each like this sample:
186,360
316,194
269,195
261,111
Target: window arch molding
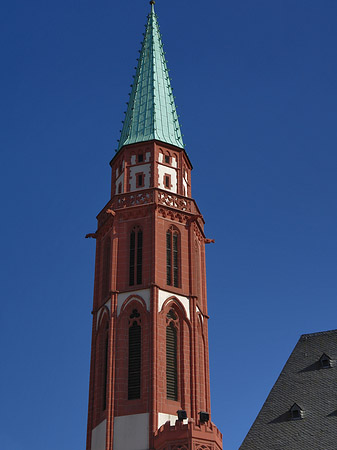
133,299
131,303
174,303
102,315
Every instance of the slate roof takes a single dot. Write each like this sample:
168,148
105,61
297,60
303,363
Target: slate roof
305,382
151,112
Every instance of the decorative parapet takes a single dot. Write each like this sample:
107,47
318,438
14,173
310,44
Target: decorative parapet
133,199
175,201
157,197
188,436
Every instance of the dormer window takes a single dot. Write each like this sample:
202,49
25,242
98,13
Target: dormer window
295,412
325,361
140,157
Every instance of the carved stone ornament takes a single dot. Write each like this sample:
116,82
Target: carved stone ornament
174,201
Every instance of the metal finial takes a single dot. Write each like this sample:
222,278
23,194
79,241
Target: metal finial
152,2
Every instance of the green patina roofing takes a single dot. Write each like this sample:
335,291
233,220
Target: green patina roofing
151,112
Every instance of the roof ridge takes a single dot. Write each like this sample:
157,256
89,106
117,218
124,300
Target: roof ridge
318,333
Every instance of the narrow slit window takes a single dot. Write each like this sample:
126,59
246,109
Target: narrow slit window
172,258
136,257
139,256
132,258
167,181
175,259
167,159
140,157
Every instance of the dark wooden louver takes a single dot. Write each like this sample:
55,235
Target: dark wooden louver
134,361
171,363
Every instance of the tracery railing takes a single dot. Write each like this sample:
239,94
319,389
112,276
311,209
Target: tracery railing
148,196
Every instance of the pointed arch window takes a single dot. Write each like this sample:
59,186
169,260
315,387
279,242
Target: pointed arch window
135,349
136,257
172,257
171,356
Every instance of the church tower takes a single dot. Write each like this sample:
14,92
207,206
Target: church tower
149,376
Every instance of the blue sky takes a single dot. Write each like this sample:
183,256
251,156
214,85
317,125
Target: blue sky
255,84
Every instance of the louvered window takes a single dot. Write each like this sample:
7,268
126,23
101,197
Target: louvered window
136,257
171,363
135,345
106,269
172,258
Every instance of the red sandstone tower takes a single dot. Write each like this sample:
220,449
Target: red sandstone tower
149,377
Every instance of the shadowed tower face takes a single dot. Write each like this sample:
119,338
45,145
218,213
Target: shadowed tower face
149,376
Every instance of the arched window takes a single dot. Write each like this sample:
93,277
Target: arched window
172,257
135,350
171,357
136,257
106,268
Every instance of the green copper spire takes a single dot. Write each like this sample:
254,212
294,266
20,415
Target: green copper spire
151,112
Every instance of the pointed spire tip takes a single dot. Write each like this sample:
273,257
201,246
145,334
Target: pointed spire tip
151,72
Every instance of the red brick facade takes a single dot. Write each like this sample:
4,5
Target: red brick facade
154,210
